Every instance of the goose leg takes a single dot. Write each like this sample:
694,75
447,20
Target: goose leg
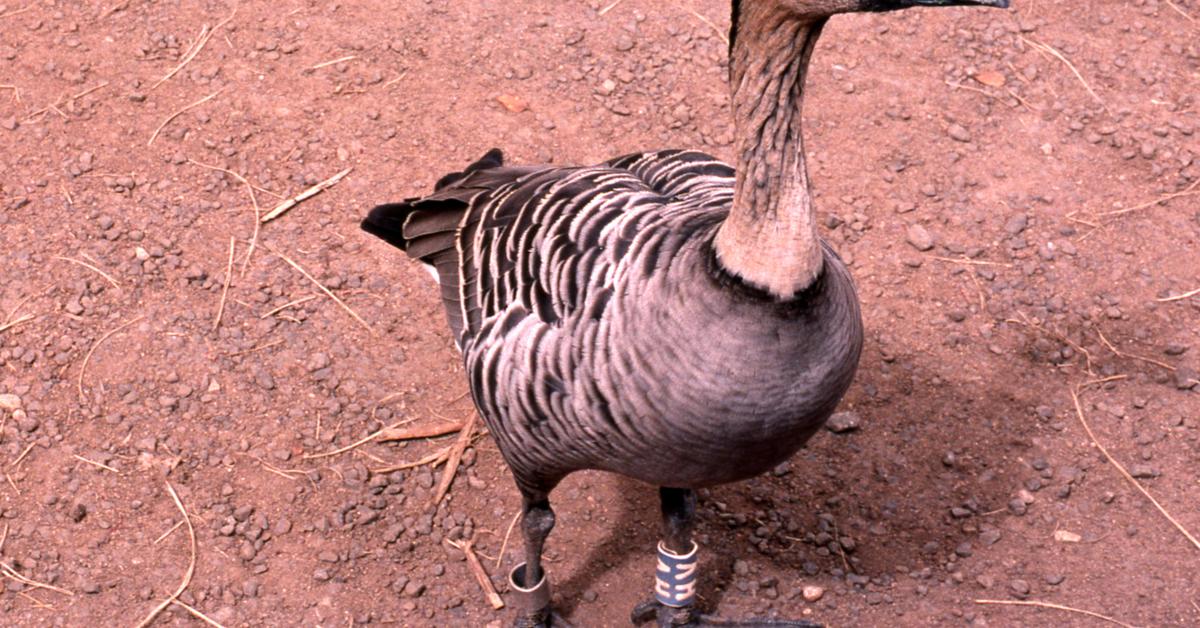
676,574
528,580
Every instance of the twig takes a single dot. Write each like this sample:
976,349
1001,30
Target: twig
3,538
236,176
253,201
288,304
171,117
1127,476
303,196
1131,356
13,574
96,464
477,570
1050,49
393,433
225,290
187,576
1179,297
197,46
325,64
1055,607
54,107
504,546
327,292
107,277
88,357
168,532
197,614
464,438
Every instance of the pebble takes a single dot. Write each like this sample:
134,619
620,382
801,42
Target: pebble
812,593
959,133
9,402
919,237
842,422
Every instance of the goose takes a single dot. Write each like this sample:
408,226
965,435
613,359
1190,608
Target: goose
661,315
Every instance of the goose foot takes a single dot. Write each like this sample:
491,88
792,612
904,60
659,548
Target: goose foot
689,617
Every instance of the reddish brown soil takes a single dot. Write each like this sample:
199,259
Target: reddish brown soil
944,130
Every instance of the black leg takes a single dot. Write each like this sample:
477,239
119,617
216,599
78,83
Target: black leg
678,518
672,605
537,520
528,580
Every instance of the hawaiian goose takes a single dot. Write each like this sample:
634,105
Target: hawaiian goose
659,315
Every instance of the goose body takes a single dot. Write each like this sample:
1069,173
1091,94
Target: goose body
599,331
660,315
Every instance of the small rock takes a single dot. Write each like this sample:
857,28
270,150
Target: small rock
812,593
9,402
919,237
1144,471
959,133
842,422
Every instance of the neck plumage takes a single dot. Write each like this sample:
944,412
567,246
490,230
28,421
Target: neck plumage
770,238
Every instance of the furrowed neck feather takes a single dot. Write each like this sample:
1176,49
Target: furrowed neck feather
770,238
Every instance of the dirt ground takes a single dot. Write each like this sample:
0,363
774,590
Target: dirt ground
1016,192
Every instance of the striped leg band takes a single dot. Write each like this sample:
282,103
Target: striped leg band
675,577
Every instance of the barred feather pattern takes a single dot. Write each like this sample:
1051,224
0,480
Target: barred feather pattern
599,331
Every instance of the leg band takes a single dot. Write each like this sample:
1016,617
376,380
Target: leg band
533,597
675,577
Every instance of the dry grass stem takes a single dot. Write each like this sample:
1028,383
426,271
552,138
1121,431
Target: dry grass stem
608,8
1131,356
9,479
1051,50
237,176
1180,297
283,207
154,136
327,292
3,538
17,463
253,349
504,546
54,107
16,12
12,574
1129,478
197,614
971,262
1191,19
1055,607
716,29
100,465
225,290
187,576
1188,191
20,321
198,45
287,305
88,357
1087,356
325,64
435,458
481,575
456,452
107,277
164,535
